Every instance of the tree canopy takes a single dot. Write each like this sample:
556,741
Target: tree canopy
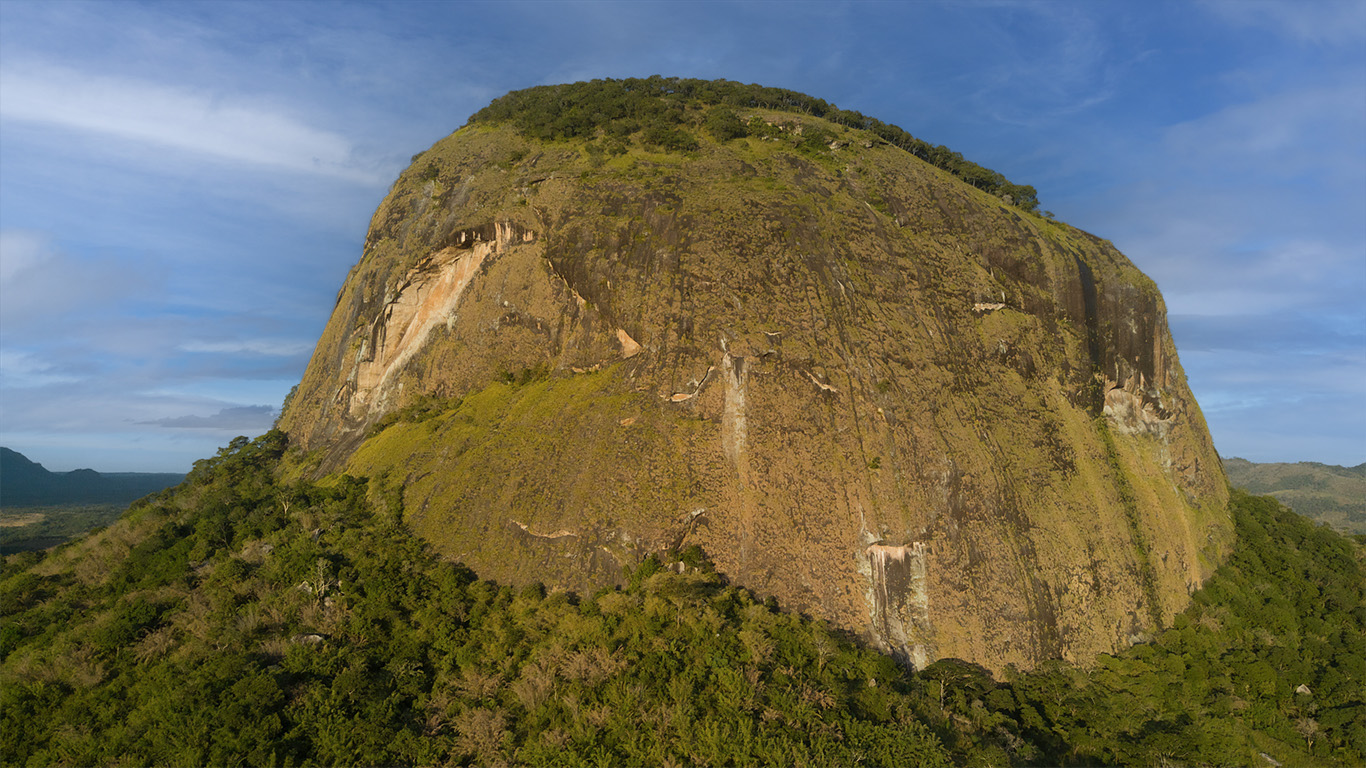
581,110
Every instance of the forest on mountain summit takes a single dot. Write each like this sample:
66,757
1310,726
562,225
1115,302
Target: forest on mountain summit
241,618
665,111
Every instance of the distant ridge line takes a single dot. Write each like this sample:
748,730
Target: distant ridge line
26,483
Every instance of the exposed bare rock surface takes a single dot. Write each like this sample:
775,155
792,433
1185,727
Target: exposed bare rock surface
861,385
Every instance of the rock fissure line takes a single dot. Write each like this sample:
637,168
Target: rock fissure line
560,534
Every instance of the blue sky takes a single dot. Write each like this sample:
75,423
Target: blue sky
183,186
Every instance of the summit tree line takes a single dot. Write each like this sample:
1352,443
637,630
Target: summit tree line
665,107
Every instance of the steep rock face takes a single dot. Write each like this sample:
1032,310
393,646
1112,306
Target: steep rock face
859,384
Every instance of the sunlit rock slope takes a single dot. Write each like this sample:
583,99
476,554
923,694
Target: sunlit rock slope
862,385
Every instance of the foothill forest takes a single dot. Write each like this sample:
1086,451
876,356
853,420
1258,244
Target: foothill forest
683,423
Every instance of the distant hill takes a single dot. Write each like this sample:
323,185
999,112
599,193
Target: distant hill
1323,492
24,483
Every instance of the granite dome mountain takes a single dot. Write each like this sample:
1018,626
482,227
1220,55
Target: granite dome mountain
618,318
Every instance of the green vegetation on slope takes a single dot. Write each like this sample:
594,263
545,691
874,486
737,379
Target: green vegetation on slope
665,109
238,619
242,621
1288,609
1324,492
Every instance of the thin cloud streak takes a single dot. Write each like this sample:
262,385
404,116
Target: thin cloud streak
249,417
1321,21
265,347
222,126
41,285
1292,133
23,370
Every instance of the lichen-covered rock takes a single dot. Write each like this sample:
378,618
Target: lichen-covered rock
860,384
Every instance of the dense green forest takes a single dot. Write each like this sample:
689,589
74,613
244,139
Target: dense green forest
237,619
664,111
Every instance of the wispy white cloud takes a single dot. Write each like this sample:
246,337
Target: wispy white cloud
40,284
1319,21
223,126
1290,132
247,417
1230,280
1258,402
21,251
1050,61
1253,207
266,347
20,369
